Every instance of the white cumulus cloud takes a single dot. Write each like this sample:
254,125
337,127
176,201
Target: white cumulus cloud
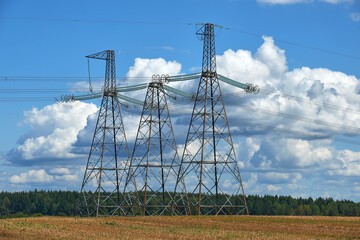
147,67
53,130
348,164
68,177
59,171
273,188
281,177
290,125
311,90
296,100
141,72
32,176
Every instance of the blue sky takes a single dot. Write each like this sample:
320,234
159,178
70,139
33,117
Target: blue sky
303,48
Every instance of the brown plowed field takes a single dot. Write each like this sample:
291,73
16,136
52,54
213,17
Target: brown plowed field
182,227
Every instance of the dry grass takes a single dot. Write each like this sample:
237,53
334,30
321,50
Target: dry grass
182,227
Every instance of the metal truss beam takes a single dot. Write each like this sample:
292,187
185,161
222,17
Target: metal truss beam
208,166
155,162
107,165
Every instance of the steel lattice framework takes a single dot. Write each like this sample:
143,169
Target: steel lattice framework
102,187
208,166
155,162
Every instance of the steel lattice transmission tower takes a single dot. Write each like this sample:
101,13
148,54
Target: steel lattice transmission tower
208,166
155,162
102,192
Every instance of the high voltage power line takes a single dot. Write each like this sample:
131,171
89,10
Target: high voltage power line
263,91
40,90
28,99
298,44
184,100
291,116
257,35
305,100
110,134
235,93
66,78
94,21
179,110
296,98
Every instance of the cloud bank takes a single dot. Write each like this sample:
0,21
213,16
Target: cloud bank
53,130
284,136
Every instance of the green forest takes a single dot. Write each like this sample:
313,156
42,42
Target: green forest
64,203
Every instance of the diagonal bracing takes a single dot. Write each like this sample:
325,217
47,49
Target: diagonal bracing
208,166
155,161
106,169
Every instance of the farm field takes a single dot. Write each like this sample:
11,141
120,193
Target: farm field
182,227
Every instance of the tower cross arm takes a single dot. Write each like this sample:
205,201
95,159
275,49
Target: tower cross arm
72,98
100,55
248,87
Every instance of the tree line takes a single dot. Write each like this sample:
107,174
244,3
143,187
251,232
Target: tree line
64,203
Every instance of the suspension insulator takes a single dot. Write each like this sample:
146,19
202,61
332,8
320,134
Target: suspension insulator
163,78
256,89
250,88
167,78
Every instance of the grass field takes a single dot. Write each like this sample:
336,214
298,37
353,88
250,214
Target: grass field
182,227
